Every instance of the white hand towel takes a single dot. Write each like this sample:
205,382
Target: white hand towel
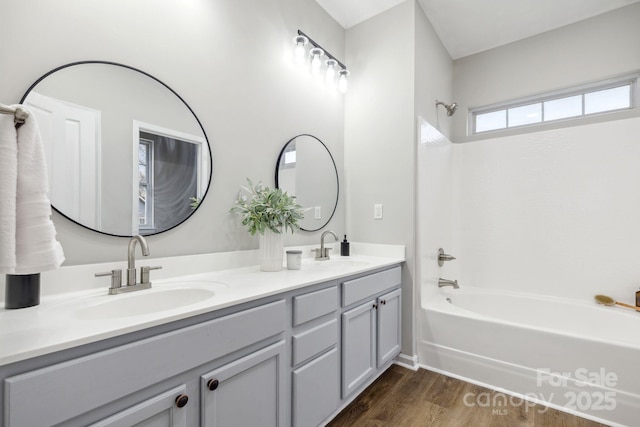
8,186
36,247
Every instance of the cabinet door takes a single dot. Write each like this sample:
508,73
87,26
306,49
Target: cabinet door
160,411
389,321
358,346
316,390
246,392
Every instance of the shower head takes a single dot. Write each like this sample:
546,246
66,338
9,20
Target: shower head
450,108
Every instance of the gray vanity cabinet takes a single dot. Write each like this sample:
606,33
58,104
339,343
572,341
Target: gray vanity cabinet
370,329
289,360
246,392
315,359
128,382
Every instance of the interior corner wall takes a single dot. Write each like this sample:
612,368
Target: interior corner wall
398,67
379,138
433,75
229,60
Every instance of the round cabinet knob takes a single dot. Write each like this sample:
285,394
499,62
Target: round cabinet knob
383,302
181,401
213,384
375,305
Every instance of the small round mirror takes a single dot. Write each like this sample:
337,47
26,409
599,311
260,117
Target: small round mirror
125,154
307,170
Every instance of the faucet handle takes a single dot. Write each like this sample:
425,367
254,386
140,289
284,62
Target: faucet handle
442,257
326,252
144,274
116,277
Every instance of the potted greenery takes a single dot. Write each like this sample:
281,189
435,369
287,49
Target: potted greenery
268,212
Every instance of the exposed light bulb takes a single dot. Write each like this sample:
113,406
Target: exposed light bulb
316,53
330,75
299,51
342,80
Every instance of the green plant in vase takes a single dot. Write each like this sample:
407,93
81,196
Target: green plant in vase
268,212
264,208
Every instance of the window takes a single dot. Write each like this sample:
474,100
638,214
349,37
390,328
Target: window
145,184
597,98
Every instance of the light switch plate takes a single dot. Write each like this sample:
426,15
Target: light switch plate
317,212
377,211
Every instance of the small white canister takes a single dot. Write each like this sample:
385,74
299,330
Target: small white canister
294,260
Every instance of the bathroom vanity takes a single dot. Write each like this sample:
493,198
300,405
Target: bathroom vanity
255,353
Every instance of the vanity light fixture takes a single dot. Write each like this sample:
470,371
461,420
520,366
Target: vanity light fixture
330,75
301,42
342,80
316,53
335,72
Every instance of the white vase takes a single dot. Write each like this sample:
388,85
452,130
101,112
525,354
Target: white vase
271,251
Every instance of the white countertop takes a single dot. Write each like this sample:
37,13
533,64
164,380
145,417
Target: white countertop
72,318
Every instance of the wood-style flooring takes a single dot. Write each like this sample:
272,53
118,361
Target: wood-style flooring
402,397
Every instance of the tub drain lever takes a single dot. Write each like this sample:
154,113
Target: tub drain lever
442,257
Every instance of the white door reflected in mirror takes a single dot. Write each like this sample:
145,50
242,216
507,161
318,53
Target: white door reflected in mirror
93,116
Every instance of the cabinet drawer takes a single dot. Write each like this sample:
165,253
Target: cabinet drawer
367,286
117,372
314,304
314,341
316,390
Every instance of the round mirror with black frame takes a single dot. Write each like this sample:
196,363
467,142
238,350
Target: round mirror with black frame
306,169
125,153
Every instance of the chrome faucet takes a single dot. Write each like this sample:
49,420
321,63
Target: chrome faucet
446,282
131,257
323,253
116,275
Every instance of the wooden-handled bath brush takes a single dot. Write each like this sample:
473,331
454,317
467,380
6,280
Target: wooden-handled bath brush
606,300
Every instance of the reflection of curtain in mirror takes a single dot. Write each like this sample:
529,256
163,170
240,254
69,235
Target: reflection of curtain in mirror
174,179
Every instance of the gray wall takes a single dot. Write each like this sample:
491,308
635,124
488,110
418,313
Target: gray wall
228,59
398,61
590,50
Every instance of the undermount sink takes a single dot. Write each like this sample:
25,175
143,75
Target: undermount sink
160,298
144,302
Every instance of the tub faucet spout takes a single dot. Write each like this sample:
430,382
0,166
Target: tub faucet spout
446,282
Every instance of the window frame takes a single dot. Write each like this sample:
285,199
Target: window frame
630,80
149,202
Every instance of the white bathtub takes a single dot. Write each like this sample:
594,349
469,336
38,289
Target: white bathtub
579,357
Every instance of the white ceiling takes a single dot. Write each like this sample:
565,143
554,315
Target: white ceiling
471,26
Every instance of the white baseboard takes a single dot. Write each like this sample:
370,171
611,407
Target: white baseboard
406,361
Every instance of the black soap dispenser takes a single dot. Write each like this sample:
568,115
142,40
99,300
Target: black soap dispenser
344,247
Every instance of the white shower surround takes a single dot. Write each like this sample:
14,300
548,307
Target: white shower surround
554,214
